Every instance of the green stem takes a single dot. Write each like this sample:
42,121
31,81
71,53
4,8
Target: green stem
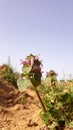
41,102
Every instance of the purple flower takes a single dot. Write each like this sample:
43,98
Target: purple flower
27,61
22,61
37,57
32,62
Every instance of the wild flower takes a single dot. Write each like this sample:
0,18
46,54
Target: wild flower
32,73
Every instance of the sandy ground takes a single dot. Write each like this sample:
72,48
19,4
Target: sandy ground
19,111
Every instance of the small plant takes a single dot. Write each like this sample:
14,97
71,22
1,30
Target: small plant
59,106
10,76
53,77
56,100
31,74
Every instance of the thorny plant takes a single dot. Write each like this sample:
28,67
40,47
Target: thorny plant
56,101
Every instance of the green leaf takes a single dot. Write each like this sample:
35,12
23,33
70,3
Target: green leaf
59,105
52,127
49,105
47,80
46,117
71,124
71,92
26,68
36,80
23,84
66,98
